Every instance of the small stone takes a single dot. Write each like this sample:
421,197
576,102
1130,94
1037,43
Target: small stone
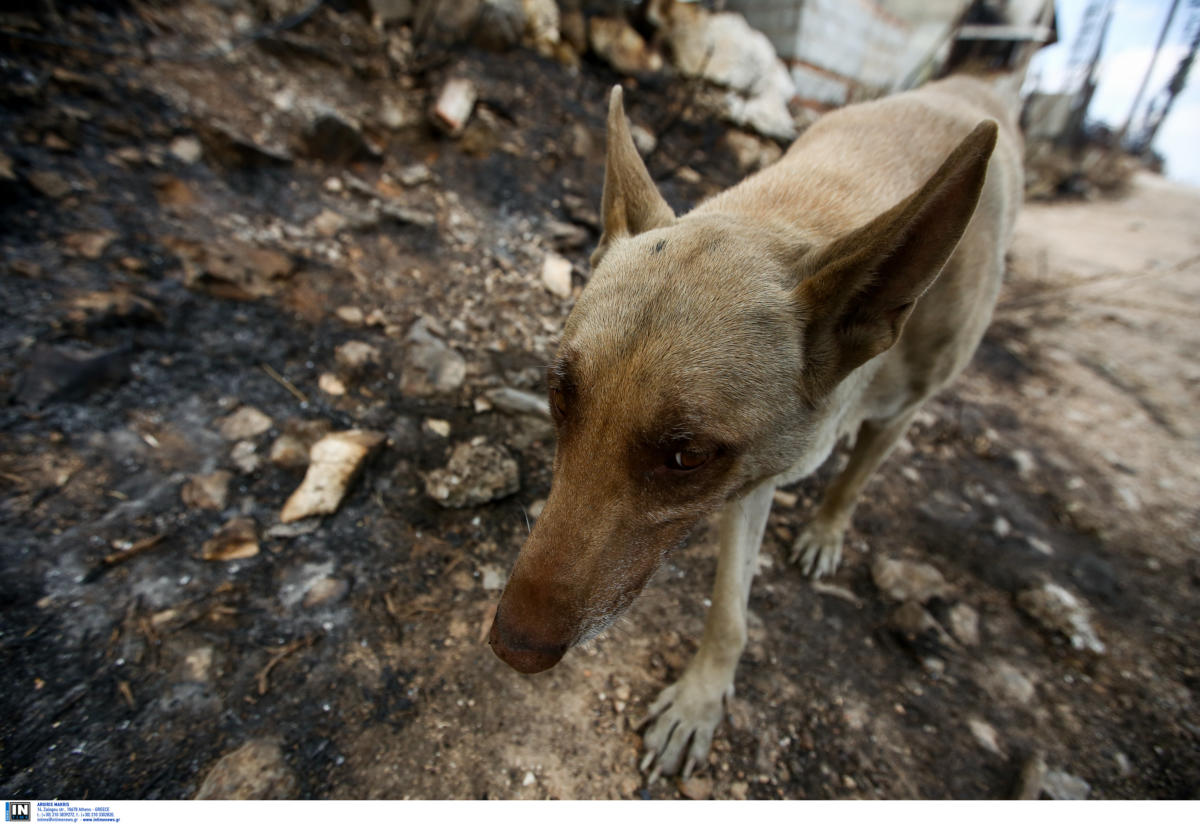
908,580
333,185
331,384
556,275
328,223
333,462
350,314
491,577
90,245
1039,545
246,422
529,780
254,771
619,45
481,404
186,149
237,539
50,184
245,456
1001,527
6,167
1062,786
430,366
918,628
454,104
290,449
438,427
739,790
324,590
197,664
207,491
356,354
964,624
643,139
1058,610
1024,461
986,735
1004,682
414,175
476,473
519,402
566,235
697,789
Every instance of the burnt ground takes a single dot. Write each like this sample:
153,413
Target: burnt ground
150,289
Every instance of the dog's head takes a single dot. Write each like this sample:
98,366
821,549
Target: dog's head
697,363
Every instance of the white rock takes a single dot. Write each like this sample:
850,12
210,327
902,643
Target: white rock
355,354
985,734
908,580
964,624
331,384
246,422
333,462
439,427
454,105
1062,786
556,275
1058,610
187,149
518,402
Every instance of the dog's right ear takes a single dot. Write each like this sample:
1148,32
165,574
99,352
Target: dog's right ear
631,203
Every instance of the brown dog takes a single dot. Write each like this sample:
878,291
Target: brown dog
716,356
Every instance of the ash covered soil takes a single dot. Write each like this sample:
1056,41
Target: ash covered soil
188,246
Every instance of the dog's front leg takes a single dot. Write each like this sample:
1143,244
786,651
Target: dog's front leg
684,716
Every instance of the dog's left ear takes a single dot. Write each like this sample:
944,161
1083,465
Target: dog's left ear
631,203
857,292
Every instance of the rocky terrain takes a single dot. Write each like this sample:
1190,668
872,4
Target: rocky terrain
279,282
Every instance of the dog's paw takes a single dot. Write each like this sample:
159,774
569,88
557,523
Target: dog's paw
682,721
818,550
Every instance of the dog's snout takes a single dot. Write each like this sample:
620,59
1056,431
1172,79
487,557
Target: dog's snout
520,650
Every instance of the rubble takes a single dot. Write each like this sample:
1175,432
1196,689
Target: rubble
333,462
556,275
454,104
235,540
618,44
477,472
1062,786
518,402
291,449
254,771
430,366
209,491
186,149
908,580
1058,610
725,50
356,355
246,422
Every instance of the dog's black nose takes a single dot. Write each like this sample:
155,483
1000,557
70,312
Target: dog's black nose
521,652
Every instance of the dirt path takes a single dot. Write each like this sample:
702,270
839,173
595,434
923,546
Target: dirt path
179,243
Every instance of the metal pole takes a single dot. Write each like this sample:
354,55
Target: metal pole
1137,98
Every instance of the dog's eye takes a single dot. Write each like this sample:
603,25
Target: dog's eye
558,402
687,460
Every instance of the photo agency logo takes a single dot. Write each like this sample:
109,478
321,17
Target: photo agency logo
17,810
